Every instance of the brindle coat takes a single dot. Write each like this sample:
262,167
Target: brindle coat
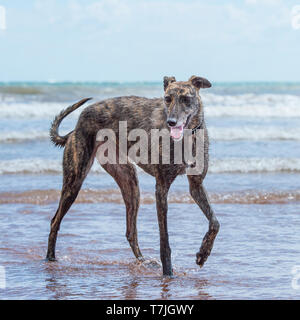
181,103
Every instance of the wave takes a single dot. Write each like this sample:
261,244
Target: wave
30,166
246,105
68,91
20,90
254,165
249,133
252,105
254,133
44,197
250,99
23,136
227,165
33,110
256,111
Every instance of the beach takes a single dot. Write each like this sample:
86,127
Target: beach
253,184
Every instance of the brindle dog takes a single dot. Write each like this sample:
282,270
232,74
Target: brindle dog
181,108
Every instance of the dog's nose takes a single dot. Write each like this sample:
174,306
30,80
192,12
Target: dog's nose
171,122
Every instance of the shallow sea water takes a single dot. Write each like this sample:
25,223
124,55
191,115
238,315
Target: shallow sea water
253,183
253,255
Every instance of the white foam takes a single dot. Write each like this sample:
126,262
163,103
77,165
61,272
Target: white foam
254,133
249,165
257,111
250,99
21,136
242,105
34,110
252,105
250,133
228,165
30,166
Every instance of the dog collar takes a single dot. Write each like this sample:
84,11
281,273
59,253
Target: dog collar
196,128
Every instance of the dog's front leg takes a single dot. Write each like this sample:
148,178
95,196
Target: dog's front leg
199,195
162,210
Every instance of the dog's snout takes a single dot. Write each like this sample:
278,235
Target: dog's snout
171,122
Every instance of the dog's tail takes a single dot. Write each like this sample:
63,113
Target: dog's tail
58,140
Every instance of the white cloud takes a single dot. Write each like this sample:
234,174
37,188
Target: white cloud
263,2
174,20
2,18
237,14
143,39
102,11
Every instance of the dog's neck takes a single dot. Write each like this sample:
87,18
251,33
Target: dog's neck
197,121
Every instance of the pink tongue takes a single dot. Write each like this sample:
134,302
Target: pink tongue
176,132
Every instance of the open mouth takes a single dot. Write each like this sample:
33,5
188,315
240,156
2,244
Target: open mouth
176,132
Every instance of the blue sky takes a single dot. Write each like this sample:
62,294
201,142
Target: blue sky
143,40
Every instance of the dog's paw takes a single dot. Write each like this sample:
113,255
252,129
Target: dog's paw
50,259
201,258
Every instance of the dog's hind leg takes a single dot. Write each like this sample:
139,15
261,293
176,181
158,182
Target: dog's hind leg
126,178
199,195
78,159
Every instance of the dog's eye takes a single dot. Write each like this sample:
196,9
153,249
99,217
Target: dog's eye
185,99
168,99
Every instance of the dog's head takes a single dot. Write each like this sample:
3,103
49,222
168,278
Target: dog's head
182,101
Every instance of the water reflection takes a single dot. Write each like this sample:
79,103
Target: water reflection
129,291
165,288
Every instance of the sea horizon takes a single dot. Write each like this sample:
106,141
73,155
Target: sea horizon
222,82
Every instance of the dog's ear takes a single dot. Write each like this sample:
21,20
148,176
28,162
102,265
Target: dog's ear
167,81
199,82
